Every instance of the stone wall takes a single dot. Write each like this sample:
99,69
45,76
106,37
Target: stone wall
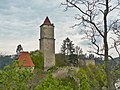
47,45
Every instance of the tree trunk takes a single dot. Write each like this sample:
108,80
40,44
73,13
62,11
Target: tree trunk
107,68
106,59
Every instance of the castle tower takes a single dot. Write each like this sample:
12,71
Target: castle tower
47,43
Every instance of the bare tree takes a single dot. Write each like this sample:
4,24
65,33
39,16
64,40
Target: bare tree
96,21
78,50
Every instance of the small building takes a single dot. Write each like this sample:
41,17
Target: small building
25,61
86,62
90,62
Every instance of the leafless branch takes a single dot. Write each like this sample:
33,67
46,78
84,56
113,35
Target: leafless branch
115,7
115,45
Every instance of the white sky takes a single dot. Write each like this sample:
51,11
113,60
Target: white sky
20,21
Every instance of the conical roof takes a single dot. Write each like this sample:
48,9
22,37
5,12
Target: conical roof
47,21
25,60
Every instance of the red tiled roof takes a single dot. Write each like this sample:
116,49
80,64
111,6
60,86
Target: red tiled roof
25,60
47,21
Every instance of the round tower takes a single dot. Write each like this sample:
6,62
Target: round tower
47,43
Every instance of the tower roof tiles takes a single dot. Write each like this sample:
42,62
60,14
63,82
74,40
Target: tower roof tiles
47,21
25,60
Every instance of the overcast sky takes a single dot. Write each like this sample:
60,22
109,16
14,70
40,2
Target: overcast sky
20,21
